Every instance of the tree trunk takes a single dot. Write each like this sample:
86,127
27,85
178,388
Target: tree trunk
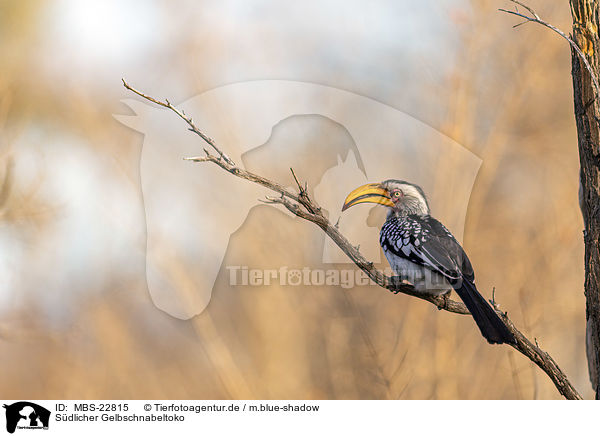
587,116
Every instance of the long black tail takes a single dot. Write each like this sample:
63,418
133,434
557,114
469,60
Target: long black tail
491,326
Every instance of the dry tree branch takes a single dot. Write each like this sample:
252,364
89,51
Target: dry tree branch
535,18
303,206
192,127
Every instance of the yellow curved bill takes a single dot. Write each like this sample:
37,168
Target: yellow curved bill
369,193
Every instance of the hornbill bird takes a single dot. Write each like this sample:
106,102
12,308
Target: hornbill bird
421,250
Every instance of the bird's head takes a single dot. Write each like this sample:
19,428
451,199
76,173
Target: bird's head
401,197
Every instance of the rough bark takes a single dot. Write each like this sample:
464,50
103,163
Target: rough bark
587,116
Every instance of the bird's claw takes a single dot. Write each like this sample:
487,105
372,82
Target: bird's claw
397,281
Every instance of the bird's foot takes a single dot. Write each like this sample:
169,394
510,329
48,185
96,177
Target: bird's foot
398,282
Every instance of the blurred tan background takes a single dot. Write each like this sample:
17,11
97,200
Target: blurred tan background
76,319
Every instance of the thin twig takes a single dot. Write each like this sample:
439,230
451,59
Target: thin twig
303,197
300,189
167,104
524,6
236,171
304,207
535,18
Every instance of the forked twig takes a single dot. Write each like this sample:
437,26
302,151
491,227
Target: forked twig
535,18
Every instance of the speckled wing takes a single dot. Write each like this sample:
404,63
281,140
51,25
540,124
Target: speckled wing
424,241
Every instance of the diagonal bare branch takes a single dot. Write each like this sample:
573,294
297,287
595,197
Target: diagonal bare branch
192,127
303,206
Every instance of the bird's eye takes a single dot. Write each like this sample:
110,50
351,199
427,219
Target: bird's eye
396,194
